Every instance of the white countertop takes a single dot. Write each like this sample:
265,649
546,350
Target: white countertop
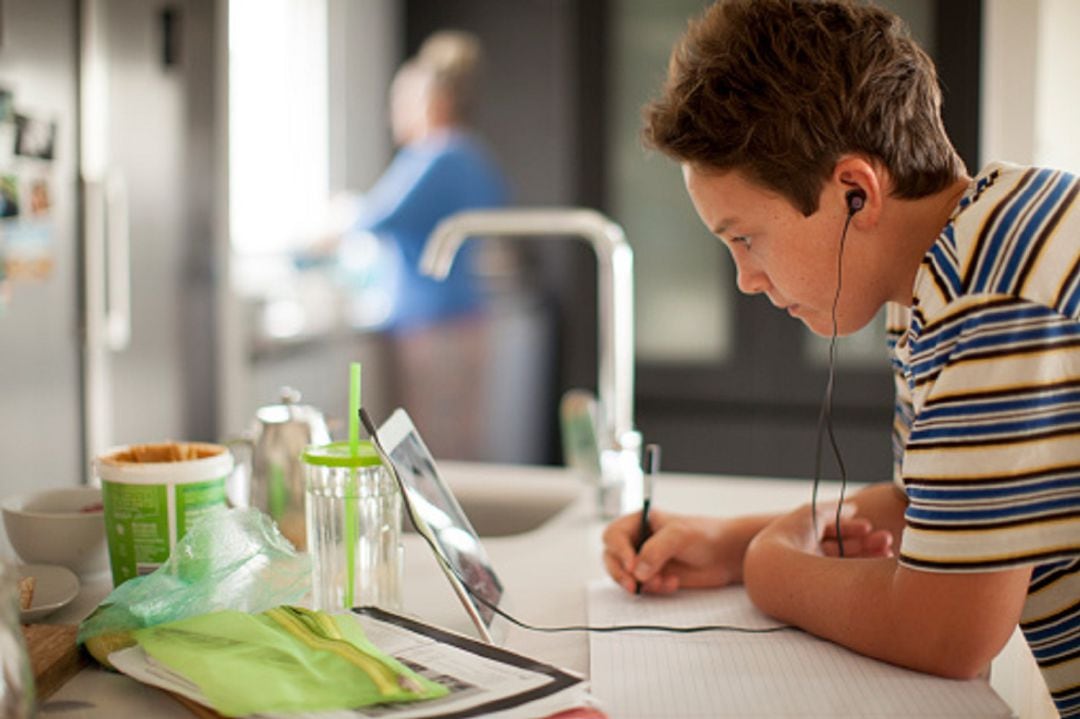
545,572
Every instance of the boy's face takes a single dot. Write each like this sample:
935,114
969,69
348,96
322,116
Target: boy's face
779,252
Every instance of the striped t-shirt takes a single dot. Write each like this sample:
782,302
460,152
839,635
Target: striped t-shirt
987,428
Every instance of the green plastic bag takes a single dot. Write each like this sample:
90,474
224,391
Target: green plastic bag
286,659
229,559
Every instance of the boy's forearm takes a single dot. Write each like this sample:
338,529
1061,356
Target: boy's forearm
735,535
946,624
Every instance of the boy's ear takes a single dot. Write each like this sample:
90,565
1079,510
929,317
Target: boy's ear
859,186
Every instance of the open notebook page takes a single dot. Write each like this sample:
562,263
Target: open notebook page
726,674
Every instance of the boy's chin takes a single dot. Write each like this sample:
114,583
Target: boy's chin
823,327
820,327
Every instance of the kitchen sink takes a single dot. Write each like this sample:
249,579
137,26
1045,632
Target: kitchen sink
504,500
493,516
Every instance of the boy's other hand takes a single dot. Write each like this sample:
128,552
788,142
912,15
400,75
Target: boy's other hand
860,538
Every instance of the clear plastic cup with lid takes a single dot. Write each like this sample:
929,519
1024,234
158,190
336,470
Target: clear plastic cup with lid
353,512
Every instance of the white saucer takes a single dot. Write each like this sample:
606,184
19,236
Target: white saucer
54,587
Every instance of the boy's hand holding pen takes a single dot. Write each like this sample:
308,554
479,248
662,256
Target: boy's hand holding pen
652,466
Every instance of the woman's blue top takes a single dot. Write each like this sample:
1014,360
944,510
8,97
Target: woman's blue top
426,182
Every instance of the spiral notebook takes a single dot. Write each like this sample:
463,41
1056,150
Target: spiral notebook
726,674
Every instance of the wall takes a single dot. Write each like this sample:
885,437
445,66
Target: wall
1031,61
365,46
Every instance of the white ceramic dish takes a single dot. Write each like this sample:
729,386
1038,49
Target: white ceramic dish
54,587
61,525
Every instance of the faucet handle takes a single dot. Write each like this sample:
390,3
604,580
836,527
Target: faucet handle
577,420
621,488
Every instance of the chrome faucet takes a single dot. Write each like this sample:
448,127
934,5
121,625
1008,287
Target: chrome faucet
618,443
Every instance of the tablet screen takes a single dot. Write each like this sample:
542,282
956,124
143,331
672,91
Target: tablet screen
436,505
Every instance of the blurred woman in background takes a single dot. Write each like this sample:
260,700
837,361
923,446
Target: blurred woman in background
436,330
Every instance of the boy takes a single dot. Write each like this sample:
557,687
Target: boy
811,143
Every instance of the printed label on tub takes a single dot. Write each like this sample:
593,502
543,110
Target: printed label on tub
196,499
137,521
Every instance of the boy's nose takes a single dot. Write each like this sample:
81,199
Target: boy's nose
750,281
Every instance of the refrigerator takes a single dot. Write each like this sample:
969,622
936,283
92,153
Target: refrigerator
110,242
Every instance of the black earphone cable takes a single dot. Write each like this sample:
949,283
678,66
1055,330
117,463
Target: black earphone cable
609,629
825,422
409,510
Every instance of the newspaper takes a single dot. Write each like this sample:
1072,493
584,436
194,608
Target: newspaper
483,680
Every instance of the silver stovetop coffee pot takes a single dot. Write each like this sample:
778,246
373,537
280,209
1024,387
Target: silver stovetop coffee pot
278,435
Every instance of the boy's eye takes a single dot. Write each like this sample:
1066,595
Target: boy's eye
743,240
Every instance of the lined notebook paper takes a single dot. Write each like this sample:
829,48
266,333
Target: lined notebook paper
638,675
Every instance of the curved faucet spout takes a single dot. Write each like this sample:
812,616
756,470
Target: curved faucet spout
615,291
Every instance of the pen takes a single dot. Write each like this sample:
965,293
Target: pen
652,466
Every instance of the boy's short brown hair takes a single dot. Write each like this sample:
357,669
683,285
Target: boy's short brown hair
780,89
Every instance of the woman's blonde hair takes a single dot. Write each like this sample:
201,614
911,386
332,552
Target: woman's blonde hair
453,59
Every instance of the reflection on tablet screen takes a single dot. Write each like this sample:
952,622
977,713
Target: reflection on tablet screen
455,535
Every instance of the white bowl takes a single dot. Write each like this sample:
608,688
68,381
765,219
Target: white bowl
59,526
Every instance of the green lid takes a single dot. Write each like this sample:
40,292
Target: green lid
337,454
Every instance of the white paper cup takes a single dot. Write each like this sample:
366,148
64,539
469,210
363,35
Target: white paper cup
152,493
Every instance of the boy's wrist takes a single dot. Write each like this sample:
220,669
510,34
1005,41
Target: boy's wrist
733,536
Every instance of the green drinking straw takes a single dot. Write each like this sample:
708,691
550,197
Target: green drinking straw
351,491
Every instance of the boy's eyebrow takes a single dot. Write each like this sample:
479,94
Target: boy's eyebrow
722,226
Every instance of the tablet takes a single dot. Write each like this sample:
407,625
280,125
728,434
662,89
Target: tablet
436,513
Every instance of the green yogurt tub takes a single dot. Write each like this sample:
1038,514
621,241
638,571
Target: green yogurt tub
152,493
